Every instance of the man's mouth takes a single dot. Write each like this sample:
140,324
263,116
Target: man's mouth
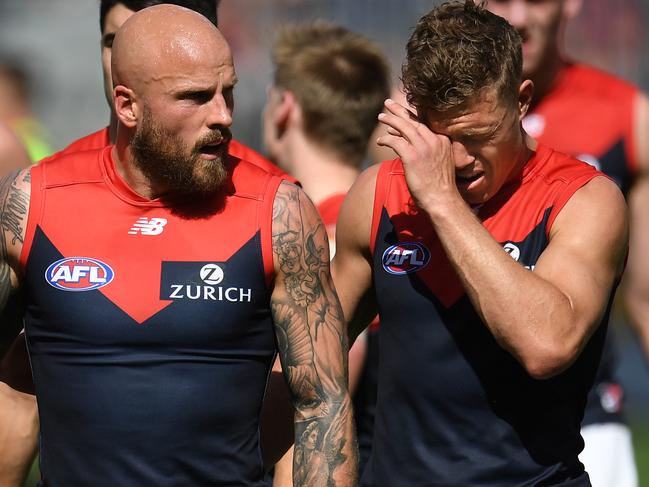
466,180
215,146
212,148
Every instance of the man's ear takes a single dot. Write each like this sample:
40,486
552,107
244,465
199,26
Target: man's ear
126,106
286,111
525,93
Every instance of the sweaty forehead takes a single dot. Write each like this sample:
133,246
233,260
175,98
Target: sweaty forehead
483,113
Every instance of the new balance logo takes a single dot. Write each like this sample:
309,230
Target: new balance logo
146,226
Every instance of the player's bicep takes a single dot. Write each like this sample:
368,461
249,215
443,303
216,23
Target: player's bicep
14,207
587,249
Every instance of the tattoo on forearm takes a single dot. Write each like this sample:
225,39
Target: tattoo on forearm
308,316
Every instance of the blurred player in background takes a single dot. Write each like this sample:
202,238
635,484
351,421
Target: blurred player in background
329,86
12,153
15,109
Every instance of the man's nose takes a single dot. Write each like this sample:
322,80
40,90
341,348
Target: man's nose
220,114
462,157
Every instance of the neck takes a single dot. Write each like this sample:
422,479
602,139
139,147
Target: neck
546,76
112,128
528,147
130,172
322,173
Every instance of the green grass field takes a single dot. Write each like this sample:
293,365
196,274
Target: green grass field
641,446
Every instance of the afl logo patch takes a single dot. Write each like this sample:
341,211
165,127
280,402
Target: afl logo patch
78,274
405,258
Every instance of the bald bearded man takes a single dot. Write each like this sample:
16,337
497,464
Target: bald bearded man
159,275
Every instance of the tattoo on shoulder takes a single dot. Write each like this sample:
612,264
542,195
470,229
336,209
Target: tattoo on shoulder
14,204
309,316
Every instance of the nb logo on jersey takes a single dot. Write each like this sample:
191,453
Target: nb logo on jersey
405,258
146,226
78,274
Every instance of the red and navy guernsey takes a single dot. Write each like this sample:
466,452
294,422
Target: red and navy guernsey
454,408
149,328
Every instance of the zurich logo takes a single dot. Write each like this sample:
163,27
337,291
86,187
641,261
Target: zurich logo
405,258
78,274
211,274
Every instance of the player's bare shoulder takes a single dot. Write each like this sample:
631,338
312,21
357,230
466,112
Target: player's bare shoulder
293,210
596,218
15,190
355,218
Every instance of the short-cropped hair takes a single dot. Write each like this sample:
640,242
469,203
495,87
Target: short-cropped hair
458,50
339,78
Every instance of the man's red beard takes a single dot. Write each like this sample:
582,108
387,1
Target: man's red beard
168,163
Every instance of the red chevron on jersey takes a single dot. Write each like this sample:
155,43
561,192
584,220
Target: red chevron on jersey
549,179
106,222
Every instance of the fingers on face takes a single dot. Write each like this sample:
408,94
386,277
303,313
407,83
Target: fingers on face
397,143
399,123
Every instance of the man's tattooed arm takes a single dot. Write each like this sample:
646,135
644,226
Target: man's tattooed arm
312,344
14,206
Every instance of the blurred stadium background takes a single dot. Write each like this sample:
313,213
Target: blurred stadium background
57,43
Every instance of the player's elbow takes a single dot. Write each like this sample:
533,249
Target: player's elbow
550,359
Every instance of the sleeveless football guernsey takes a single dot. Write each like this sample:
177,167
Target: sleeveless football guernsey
148,327
454,408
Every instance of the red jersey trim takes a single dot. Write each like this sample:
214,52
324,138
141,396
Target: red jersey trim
382,186
35,212
568,192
